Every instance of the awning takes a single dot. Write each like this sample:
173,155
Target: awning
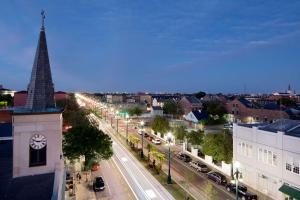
291,191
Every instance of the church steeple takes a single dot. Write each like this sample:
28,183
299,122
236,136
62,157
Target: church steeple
40,88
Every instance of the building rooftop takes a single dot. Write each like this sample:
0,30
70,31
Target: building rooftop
200,115
193,99
288,126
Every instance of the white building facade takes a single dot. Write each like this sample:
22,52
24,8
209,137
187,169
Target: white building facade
269,157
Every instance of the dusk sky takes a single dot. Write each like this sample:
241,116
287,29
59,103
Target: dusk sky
157,46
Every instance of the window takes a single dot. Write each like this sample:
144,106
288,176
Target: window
265,158
270,157
288,167
37,157
274,159
296,167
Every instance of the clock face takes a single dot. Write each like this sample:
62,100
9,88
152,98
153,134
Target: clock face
38,141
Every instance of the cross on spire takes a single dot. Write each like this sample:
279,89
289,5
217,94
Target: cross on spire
43,19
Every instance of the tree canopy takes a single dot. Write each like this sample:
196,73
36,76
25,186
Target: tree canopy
219,146
195,137
200,94
6,100
172,108
216,111
160,125
180,132
135,111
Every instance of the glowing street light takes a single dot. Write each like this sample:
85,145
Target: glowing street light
169,139
127,121
142,131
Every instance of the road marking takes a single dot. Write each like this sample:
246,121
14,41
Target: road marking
124,159
151,194
125,179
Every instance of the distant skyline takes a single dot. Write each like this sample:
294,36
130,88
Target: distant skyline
155,46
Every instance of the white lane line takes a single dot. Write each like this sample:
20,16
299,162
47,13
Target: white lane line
137,167
125,179
132,175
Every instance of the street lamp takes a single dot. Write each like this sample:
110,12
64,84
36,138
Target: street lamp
142,131
117,117
111,118
237,176
169,139
127,121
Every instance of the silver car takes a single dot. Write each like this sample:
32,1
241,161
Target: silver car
199,166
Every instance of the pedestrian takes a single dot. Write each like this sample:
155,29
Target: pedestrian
79,178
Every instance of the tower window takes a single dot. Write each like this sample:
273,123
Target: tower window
37,157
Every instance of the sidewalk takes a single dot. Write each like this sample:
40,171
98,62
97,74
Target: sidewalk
84,191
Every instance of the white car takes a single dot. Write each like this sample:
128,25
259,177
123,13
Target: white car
140,132
156,141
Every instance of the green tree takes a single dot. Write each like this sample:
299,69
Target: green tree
135,111
160,125
89,142
219,146
134,140
216,111
286,102
6,100
180,133
172,108
200,94
195,137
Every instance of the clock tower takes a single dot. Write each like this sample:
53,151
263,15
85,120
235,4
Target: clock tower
37,128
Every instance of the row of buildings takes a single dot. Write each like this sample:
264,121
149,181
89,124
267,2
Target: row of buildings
240,108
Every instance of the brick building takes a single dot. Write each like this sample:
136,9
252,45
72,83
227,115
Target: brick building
189,104
243,110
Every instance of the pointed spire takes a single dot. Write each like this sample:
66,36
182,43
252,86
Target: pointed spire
40,88
43,20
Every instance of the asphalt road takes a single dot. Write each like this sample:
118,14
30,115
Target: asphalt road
197,179
142,183
116,186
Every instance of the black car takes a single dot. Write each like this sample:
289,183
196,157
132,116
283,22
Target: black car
242,191
98,184
184,157
217,177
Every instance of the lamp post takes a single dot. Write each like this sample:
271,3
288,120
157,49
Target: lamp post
237,176
111,118
142,131
127,127
169,139
117,117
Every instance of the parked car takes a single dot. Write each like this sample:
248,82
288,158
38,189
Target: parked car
95,167
184,157
199,166
217,177
228,126
146,134
150,138
98,184
156,141
242,191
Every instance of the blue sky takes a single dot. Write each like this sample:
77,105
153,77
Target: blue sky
155,45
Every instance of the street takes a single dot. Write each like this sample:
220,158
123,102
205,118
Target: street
116,186
143,184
